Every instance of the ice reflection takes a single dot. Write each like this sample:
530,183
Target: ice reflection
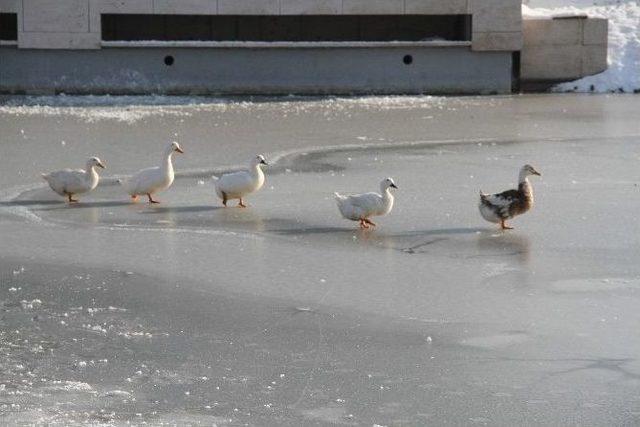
505,244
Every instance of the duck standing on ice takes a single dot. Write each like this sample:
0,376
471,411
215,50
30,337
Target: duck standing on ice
359,207
69,182
498,208
150,181
236,185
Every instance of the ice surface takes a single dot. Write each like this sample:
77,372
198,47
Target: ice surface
286,314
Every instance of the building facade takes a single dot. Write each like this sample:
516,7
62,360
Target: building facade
263,46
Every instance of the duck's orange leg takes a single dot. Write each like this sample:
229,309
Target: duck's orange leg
504,226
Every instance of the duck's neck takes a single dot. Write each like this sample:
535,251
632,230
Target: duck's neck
166,162
90,172
524,186
256,171
387,196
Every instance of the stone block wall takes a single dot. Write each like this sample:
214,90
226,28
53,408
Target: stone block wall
76,24
563,49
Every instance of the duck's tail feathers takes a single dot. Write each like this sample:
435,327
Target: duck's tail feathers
483,195
214,178
45,176
338,196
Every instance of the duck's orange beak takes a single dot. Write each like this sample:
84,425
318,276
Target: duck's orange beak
100,165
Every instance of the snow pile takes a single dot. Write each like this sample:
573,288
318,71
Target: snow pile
623,74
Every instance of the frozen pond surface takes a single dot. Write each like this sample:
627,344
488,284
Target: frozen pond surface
285,314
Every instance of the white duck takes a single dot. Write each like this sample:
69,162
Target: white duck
498,208
68,182
236,185
150,181
359,207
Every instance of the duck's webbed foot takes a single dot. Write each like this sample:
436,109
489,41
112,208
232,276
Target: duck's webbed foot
241,204
151,199
368,221
363,224
71,199
224,199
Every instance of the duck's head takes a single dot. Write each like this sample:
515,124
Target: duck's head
259,160
388,183
174,147
94,161
529,170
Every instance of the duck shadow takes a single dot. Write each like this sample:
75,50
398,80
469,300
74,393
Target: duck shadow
492,243
85,205
441,231
432,237
27,203
157,210
309,231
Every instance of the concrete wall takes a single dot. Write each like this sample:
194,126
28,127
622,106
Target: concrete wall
75,24
256,71
563,49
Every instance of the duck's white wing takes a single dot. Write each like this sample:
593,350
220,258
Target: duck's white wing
66,181
358,205
141,181
367,201
235,183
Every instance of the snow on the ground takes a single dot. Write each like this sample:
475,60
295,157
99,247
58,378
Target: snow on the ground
623,74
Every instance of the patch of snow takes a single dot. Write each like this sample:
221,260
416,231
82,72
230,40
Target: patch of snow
117,393
623,74
70,386
131,109
30,305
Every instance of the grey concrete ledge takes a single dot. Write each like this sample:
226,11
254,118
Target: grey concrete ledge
193,71
261,45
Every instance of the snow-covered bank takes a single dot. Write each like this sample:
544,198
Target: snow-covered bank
623,74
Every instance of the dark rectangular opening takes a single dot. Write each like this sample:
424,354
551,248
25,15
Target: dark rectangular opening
515,72
8,26
303,28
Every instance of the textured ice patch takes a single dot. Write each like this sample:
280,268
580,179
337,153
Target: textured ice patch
596,285
71,386
495,269
117,393
31,305
493,342
131,109
329,414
